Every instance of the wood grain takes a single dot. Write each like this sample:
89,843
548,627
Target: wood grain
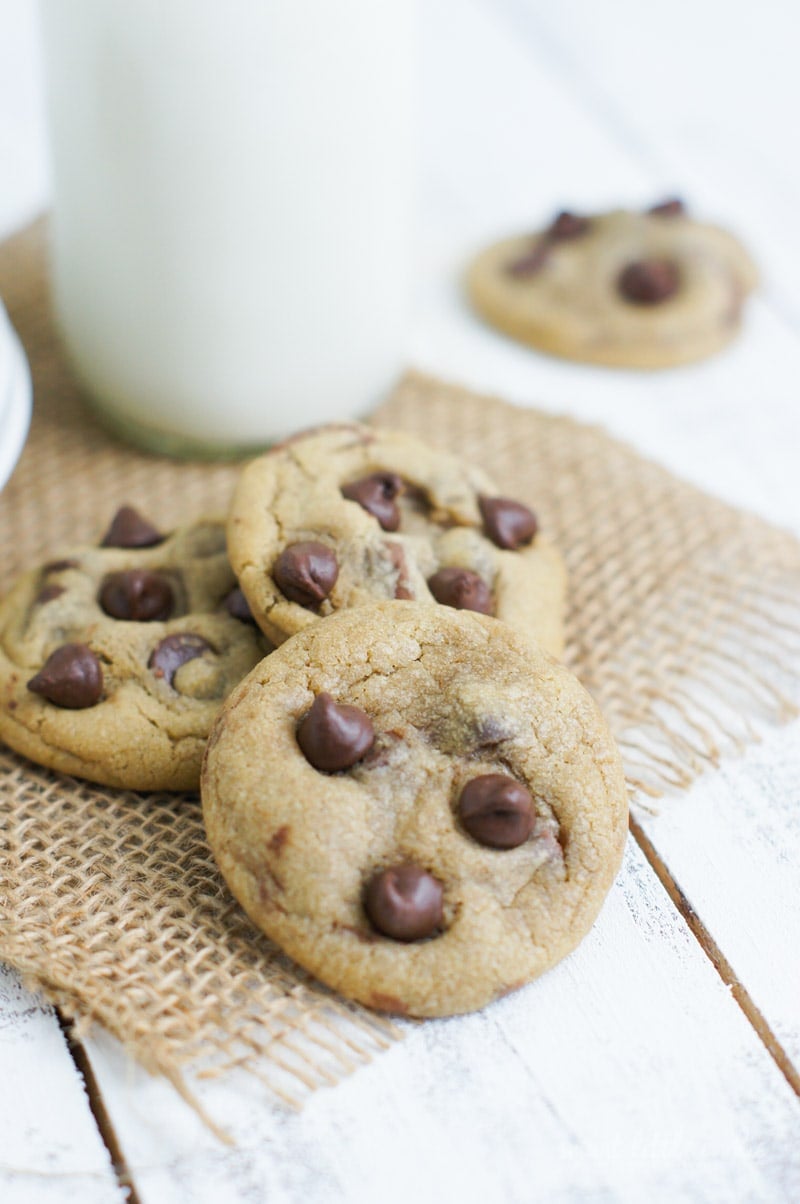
627,1073
50,1149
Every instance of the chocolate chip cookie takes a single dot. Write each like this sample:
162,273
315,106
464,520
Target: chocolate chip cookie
418,804
638,290
341,516
114,659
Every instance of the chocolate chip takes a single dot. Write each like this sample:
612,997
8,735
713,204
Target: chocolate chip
673,207
508,524
497,811
376,494
649,281
462,589
566,226
334,737
306,572
404,902
137,594
129,530
237,606
175,650
70,677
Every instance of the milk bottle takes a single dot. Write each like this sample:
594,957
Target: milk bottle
233,185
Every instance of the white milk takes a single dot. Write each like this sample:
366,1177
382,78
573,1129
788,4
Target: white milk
233,187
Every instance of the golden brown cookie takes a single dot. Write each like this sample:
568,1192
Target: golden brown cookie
342,516
629,289
114,659
418,804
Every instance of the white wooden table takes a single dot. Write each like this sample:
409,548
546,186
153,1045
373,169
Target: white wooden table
660,1062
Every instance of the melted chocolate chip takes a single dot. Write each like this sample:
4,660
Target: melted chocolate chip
48,592
532,261
376,494
649,281
129,530
137,594
59,566
566,226
278,841
497,811
673,207
404,902
306,572
237,606
397,558
334,737
175,650
508,524
70,677
491,730
462,589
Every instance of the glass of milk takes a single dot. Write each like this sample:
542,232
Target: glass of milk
233,187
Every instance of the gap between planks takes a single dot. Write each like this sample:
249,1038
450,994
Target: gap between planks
717,958
99,1111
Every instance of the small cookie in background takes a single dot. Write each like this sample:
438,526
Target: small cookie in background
417,804
629,289
114,659
344,515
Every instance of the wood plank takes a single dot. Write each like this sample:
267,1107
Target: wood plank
733,843
627,1073
50,1148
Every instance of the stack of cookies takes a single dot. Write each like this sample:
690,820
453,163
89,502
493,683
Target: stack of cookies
401,784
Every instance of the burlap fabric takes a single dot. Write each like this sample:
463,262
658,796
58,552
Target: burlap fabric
683,623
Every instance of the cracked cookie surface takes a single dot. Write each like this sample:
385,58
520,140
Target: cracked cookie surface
417,804
114,659
346,515
628,289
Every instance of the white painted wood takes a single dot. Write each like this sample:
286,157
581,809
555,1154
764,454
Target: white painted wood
733,842
50,1149
626,1074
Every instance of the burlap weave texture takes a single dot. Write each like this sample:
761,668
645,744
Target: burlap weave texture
683,623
